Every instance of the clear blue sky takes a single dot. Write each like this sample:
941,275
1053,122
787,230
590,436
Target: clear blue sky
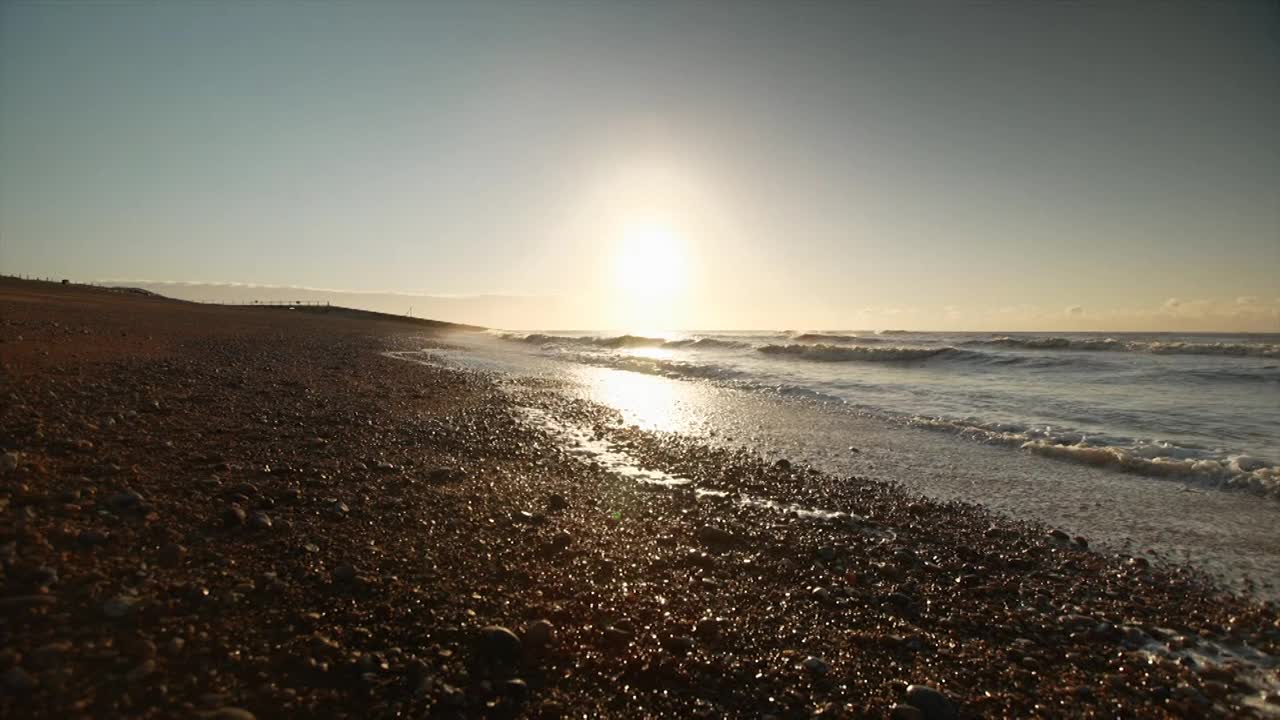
938,165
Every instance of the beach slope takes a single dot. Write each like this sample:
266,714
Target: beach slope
231,512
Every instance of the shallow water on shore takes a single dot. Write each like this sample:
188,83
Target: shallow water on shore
1229,535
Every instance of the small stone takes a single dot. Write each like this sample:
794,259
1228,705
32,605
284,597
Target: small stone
10,461
234,516
172,554
557,502
815,665
260,521
678,643
231,713
146,668
345,573
821,594
497,645
124,501
246,489
1059,536
933,704
540,634
716,537
1082,541
44,576
18,680
440,475
175,646
91,537
139,647
898,599
616,637
117,607
49,656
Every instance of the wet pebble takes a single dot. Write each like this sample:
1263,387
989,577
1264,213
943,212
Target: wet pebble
516,690
496,645
815,665
616,637
17,680
117,607
141,672
715,537
49,655
172,554
125,501
260,521
932,703
539,634
92,537
234,516
678,644
230,713
345,573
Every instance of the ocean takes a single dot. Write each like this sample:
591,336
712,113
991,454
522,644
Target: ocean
1164,445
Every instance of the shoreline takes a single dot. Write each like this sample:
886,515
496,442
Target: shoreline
261,511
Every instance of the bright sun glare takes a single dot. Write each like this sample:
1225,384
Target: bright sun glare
652,262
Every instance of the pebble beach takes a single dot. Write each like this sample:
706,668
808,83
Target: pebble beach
230,512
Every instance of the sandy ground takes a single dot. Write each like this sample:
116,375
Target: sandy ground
220,512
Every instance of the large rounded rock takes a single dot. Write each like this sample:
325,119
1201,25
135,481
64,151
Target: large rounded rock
540,634
931,703
716,537
497,646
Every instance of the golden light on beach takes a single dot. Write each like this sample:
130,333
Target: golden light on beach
652,262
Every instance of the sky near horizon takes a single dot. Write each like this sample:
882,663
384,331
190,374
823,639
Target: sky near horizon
663,165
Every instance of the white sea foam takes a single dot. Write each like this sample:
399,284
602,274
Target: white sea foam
1237,349
1154,459
817,337
833,353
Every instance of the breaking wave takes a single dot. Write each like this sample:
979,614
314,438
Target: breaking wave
1113,345
810,337
833,353
618,342
1152,459
706,343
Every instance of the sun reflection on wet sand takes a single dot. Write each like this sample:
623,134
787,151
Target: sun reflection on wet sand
652,403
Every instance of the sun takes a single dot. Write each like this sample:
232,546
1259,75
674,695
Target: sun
651,263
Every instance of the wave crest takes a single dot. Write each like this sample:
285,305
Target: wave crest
811,337
834,353
1113,345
